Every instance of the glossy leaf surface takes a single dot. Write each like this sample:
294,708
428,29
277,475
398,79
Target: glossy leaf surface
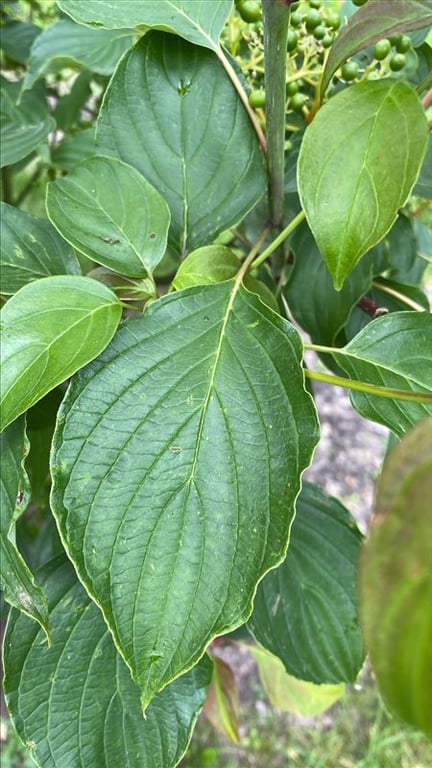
76,702
377,19
195,20
351,187
31,249
177,430
392,351
207,265
17,580
396,580
209,170
305,611
109,212
50,329
290,694
65,43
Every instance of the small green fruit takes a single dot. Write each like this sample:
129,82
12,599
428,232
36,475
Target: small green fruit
257,99
297,102
249,10
292,40
382,49
397,62
349,71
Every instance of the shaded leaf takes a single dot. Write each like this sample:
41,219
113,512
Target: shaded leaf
222,703
290,694
423,186
31,249
393,351
25,125
377,19
76,703
74,149
49,329
150,110
389,295
17,38
190,19
17,580
353,178
64,44
68,108
321,310
109,212
178,428
396,580
305,611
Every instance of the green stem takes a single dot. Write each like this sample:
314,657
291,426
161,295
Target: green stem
370,389
400,296
275,16
278,240
232,74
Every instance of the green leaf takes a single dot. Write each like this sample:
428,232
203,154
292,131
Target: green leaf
66,44
393,297
190,19
109,212
423,186
17,580
289,694
75,704
68,111
17,38
207,265
377,19
315,304
305,611
178,429
393,351
211,171
74,149
50,328
396,580
31,249
353,178
25,125
222,703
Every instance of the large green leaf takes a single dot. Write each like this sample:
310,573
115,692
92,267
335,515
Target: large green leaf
109,212
396,580
315,304
192,429
16,579
17,38
64,44
378,19
305,611
290,694
31,249
76,704
49,329
25,125
210,171
393,351
353,177
196,20
74,149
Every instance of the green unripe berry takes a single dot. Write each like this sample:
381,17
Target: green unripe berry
292,88
249,10
257,99
349,71
320,32
297,101
359,3
315,3
382,49
313,19
403,44
327,41
397,62
333,19
292,40
295,19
